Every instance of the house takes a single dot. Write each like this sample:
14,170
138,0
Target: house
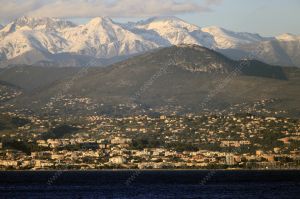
117,160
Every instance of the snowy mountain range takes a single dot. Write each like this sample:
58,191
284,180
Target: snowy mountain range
50,41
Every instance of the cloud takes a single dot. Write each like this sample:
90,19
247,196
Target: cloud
212,2
91,8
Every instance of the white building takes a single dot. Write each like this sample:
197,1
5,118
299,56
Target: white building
117,160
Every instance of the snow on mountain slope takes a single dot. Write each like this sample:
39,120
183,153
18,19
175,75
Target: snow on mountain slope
19,42
291,45
26,34
103,38
288,37
36,24
171,31
229,39
275,52
100,38
281,50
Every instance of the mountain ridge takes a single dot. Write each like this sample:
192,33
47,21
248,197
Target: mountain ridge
194,73
180,79
102,38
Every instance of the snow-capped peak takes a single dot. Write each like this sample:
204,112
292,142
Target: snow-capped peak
170,31
31,33
155,23
44,22
37,24
100,20
101,37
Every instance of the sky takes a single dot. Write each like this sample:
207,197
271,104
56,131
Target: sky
266,17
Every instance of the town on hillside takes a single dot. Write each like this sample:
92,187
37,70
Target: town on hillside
245,139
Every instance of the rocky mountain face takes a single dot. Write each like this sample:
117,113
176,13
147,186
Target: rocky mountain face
55,42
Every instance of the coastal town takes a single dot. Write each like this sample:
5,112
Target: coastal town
245,136
189,141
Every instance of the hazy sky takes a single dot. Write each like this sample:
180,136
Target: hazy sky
267,17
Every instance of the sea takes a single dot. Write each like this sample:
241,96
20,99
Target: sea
150,184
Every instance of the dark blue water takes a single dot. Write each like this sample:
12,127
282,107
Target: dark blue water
151,184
